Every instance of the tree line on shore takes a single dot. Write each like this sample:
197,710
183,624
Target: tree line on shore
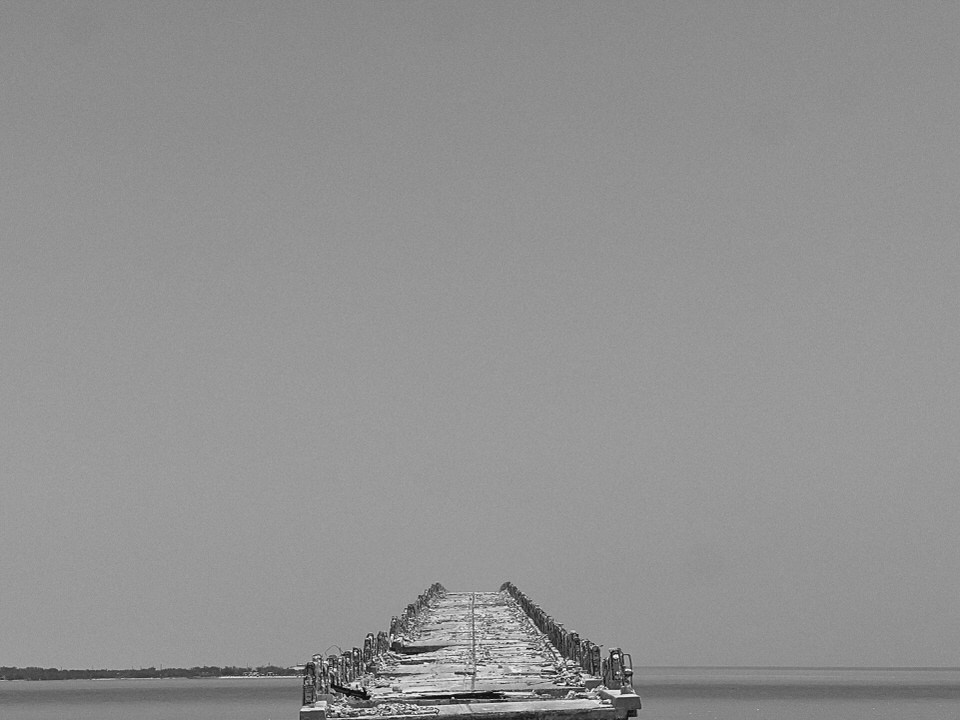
207,671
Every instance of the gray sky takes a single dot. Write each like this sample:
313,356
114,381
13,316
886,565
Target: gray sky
651,308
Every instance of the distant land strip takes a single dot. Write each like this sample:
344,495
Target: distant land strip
207,671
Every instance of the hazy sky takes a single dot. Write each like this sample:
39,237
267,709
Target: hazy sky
651,308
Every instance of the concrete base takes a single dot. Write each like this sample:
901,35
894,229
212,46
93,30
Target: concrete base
580,709
317,711
626,703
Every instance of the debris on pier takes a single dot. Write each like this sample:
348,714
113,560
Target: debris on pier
495,654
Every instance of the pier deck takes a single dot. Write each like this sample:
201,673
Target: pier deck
471,653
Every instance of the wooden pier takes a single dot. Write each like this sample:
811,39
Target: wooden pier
494,654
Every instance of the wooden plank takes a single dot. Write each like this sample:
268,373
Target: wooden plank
474,653
471,641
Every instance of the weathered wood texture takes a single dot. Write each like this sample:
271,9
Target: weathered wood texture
481,642
470,653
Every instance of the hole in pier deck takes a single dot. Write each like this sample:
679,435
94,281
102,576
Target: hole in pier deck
419,649
466,695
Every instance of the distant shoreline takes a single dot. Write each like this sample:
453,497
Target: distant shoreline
33,673
158,679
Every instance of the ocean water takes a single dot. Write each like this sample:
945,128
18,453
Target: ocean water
668,694
798,694
173,699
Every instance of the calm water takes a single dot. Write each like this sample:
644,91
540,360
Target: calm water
174,699
668,694
798,694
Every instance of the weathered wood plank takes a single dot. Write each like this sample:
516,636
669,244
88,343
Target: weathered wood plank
475,653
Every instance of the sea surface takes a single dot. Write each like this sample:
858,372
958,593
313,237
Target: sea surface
798,694
171,699
668,694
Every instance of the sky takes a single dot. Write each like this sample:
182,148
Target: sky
650,308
